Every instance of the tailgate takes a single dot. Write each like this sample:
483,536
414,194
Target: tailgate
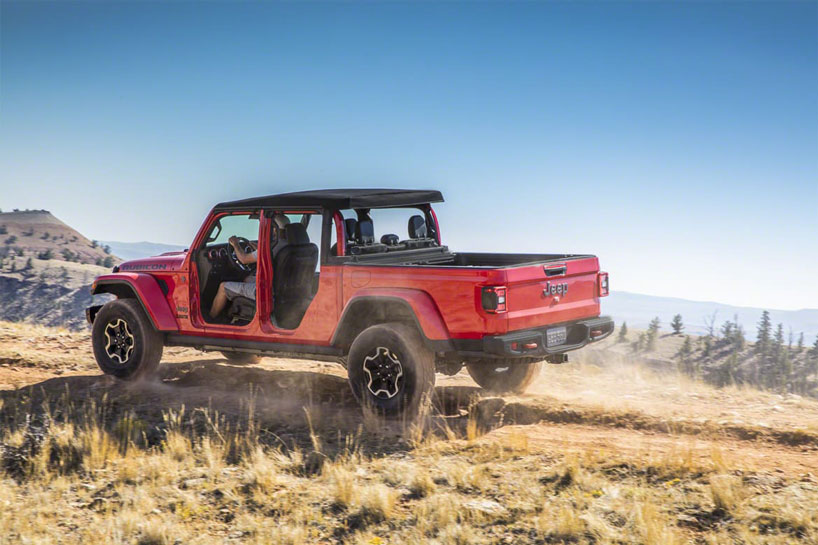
552,292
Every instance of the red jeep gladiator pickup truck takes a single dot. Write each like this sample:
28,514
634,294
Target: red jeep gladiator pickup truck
322,285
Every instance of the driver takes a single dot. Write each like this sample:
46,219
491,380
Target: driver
230,290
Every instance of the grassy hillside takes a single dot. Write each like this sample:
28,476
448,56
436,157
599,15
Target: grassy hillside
723,358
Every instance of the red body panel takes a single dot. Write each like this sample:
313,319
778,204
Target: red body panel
445,299
148,291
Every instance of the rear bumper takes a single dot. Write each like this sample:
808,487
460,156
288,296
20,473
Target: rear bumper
532,342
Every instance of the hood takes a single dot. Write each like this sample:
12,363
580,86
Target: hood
167,262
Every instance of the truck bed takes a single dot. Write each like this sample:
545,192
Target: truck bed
541,289
442,257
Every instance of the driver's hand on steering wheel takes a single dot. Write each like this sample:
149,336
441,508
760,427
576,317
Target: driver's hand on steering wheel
234,242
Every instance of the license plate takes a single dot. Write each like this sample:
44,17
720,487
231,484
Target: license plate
556,336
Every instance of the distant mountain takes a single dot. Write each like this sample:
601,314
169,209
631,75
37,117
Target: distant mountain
136,250
638,310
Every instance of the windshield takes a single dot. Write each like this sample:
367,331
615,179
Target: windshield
239,225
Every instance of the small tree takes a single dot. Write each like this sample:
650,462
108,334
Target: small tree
684,354
18,251
623,333
800,346
3,230
46,255
764,334
108,262
727,330
106,249
28,232
639,344
13,265
64,274
677,324
29,265
94,244
653,333
11,240
710,324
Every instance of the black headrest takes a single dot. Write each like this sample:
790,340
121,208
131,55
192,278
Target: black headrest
389,240
296,234
417,227
365,232
349,226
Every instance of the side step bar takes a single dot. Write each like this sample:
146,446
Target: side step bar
280,350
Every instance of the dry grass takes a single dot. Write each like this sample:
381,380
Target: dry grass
76,471
187,490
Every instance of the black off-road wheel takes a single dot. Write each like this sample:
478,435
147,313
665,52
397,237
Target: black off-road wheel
391,370
241,358
503,376
125,343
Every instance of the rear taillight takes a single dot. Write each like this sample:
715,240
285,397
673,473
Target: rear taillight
494,299
603,284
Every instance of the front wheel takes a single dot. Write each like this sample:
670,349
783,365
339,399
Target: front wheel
502,376
125,343
391,370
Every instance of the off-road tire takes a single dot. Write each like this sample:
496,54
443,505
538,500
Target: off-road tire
241,358
503,376
398,342
147,343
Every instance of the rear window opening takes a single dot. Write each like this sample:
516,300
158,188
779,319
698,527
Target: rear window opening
385,230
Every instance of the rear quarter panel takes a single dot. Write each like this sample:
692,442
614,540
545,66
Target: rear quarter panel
452,291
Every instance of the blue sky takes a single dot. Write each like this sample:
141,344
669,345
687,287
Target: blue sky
677,142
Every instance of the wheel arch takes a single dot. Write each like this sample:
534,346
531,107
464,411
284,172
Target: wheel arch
143,288
416,309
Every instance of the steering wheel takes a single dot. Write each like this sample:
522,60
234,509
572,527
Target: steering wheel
245,245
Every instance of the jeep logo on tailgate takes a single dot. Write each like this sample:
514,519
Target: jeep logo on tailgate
555,289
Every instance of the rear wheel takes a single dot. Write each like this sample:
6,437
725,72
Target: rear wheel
125,343
391,370
503,376
241,358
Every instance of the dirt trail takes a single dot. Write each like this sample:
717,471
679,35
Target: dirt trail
573,407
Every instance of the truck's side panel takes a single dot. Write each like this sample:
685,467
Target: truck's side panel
454,293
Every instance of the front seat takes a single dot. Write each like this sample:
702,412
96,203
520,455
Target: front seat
293,275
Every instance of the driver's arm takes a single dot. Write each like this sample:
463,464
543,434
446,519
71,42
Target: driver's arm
244,257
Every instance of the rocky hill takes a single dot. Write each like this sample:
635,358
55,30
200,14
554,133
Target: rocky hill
38,234
46,269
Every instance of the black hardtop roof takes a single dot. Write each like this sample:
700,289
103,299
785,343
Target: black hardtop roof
339,199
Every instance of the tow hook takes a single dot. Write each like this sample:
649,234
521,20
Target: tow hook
556,358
